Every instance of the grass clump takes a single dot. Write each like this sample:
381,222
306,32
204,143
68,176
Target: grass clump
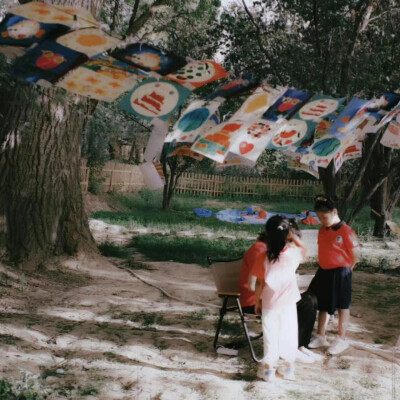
189,250
108,249
8,391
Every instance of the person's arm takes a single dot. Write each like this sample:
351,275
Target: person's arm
355,255
299,243
259,288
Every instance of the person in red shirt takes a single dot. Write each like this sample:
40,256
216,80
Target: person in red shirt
338,252
253,258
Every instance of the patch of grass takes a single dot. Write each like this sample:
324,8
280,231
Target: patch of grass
9,392
231,328
108,249
198,315
8,340
144,318
88,391
343,363
201,347
189,250
66,326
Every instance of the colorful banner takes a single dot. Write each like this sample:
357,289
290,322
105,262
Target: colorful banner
391,137
252,140
294,162
151,177
298,133
257,103
19,31
90,41
287,104
234,160
47,61
105,85
234,88
353,151
150,58
76,17
194,120
216,142
198,73
154,98
182,149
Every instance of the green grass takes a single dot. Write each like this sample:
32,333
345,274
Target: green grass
9,392
108,249
189,250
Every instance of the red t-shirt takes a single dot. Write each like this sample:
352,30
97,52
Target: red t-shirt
253,260
335,245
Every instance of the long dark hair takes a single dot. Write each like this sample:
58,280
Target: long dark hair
277,229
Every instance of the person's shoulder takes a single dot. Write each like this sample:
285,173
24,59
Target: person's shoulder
347,228
259,245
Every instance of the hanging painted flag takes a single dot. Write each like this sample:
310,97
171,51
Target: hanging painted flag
234,88
47,61
154,98
19,31
390,115
258,102
90,41
234,160
216,142
287,134
294,162
76,17
194,120
353,151
338,161
198,73
350,118
158,166
391,137
286,105
150,58
101,85
151,177
182,149
318,108
252,140
380,107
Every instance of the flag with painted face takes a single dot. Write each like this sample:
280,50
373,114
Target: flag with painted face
154,98
235,88
198,73
149,58
353,151
194,120
216,142
253,138
258,102
318,108
286,105
90,41
48,61
76,17
19,31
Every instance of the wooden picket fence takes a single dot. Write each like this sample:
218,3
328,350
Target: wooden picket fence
118,177
215,186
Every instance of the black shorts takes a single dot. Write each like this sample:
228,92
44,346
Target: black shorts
332,288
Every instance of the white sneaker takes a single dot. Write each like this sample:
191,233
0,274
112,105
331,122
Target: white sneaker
287,373
267,375
315,356
338,346
318,341
304,357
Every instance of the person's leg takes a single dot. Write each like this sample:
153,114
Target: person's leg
288,340
344,319
322,322
270,327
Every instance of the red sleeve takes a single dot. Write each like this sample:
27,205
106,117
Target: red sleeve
350,239
256,260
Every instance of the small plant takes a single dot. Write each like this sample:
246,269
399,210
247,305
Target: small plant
198,315
343,363
18,391
108,249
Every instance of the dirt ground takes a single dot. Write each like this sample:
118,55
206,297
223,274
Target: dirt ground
90,328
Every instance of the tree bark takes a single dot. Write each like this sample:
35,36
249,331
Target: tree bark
40,142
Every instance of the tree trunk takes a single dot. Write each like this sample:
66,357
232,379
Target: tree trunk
378,202
40,138
328,179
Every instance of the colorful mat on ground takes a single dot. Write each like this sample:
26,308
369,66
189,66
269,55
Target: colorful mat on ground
256,215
